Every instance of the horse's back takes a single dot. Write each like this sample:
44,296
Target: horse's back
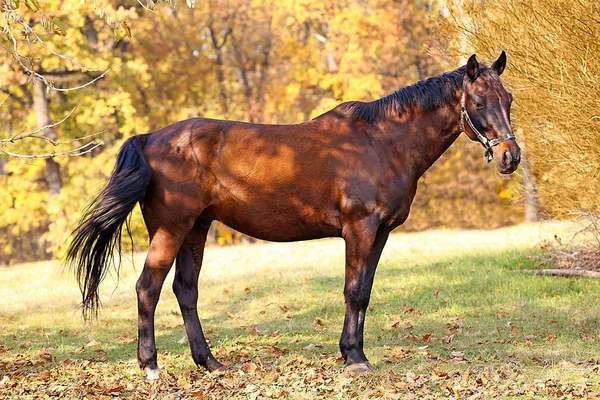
253,177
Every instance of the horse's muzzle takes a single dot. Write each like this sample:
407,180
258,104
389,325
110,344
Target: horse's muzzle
507,157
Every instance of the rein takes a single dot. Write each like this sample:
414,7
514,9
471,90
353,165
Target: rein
487,143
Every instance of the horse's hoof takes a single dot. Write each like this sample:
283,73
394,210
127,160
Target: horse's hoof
152,374
215,366
358,368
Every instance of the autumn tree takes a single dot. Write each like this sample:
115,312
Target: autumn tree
53,66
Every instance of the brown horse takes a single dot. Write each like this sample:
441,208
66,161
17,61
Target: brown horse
351,172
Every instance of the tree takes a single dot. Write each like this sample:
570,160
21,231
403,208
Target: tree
49,58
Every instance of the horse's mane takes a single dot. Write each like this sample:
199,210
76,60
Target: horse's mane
427,94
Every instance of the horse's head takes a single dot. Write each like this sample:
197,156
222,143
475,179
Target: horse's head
485,113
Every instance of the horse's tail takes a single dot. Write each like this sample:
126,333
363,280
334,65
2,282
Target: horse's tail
99,231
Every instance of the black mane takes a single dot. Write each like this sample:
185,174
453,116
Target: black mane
427,94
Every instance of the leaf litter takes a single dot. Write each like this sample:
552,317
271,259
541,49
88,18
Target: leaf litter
267,371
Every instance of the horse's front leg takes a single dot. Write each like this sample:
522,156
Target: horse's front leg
363,248
380,241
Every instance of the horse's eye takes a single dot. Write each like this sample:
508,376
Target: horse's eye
479,106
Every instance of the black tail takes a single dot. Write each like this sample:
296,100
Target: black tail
99,232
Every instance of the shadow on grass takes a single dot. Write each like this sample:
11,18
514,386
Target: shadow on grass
481,305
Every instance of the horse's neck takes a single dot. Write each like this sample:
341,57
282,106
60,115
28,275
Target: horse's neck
427,134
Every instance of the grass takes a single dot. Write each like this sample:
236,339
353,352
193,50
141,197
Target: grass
450,316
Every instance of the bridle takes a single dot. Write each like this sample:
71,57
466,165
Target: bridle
487,143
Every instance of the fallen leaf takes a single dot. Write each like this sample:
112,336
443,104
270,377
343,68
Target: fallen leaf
464,380
199,394
183,340
566,364
312,346
447,339
250,366
269,379
254,330
115,389
407,309
550,338
5,381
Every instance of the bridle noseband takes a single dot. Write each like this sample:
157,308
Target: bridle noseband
487,143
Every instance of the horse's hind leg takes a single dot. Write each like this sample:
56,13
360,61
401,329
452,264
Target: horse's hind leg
161,253
185,286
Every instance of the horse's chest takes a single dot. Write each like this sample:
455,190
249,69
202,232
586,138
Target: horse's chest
399,207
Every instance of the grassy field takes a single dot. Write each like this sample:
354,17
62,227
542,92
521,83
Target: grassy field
451,316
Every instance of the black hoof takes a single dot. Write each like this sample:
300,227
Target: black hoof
213,365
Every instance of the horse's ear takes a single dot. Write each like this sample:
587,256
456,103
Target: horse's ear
500,63
472,68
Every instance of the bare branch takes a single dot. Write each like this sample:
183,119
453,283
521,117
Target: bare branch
29,30
36,38
78,139
146,8
85,84
20,136
563,272
4,99
86,148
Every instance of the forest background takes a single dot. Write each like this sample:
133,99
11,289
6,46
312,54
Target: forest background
135,66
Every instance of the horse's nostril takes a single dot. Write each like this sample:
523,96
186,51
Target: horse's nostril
506,157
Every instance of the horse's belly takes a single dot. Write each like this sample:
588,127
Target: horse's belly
278,221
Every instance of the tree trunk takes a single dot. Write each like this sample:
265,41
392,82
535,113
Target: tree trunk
52,174
532,203
90,33
223,100
2,164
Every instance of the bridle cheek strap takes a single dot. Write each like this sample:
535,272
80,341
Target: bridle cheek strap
487,143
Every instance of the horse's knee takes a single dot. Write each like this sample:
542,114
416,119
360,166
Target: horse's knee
148,289
356,298
186,293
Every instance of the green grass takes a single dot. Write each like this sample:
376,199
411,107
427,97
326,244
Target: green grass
436,296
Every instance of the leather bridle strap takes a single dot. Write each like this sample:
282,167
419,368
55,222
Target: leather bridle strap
487,143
